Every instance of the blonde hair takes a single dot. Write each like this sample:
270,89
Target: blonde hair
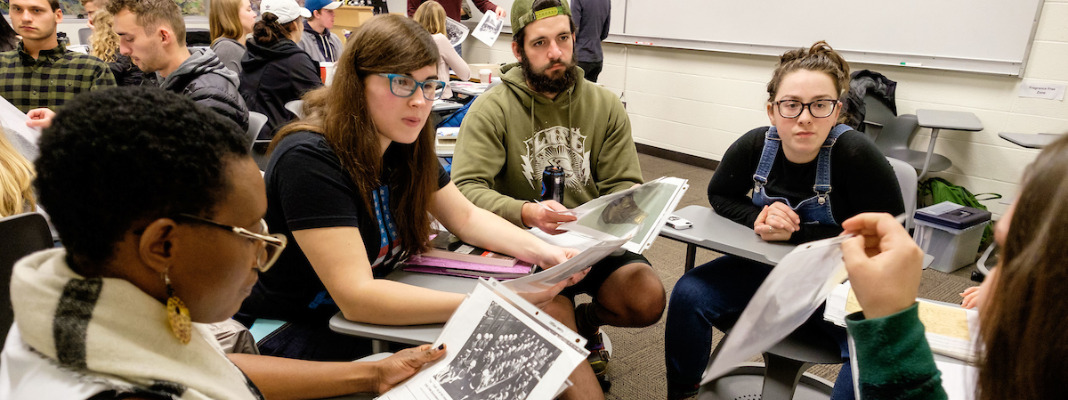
431,16
224,20
16,181
104,42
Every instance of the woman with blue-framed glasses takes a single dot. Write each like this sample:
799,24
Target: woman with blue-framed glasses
354,186
794,181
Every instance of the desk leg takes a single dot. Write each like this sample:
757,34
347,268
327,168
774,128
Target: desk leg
691,255
378,346
930,152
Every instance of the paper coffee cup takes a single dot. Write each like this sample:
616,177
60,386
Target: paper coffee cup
326,72
485,75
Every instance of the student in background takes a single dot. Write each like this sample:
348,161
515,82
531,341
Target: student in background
321,44
432,17
353,186
40,54
592,17
104,44
229,24
91,7
181,243
276,71
9,40
452,7
810,173
16,182
153,35
1021,334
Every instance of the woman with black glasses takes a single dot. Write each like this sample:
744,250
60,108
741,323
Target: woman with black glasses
354,185
806,173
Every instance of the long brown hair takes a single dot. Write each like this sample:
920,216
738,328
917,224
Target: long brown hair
385,44
431,15
819,58
1025,320
224,20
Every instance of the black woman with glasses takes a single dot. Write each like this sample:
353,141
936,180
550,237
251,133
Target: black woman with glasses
354,185
160,210
794,181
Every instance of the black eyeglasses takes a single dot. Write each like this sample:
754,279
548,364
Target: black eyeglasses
818,108
273,243
404,86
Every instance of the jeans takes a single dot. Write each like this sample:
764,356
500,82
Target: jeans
715,294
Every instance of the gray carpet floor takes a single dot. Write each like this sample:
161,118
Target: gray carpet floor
637,367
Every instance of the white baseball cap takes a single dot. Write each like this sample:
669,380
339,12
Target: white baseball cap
285,10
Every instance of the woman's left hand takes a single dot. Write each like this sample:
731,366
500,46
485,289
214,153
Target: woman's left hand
402,365
767,231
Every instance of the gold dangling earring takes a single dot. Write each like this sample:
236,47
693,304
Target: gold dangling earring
177,314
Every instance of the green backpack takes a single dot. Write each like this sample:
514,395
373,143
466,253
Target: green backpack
936,190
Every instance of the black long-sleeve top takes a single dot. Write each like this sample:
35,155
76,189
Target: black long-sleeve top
862,180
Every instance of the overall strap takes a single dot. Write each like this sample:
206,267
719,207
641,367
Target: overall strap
823,165
767,157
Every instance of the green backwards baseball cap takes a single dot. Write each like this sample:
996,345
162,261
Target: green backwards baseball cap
523,15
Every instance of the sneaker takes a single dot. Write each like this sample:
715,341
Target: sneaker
598,357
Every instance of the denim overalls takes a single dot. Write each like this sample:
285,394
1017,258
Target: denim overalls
815,209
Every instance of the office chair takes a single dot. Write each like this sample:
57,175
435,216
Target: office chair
83,35
782,376
892,134
296,107
24,234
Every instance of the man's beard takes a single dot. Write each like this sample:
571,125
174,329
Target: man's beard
543,83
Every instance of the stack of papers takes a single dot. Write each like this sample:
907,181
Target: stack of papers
951,330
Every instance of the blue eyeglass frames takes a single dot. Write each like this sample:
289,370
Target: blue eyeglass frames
404,86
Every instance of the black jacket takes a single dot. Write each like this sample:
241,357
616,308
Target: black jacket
126,73
273,76
203,78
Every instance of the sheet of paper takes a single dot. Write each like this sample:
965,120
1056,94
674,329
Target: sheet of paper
794,289
456,31
644,206
488,29
22,137
498,346
598,248
959,379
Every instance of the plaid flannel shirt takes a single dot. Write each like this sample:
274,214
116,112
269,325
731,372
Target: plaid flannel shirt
57,75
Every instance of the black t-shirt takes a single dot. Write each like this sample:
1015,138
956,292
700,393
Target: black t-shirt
307,188
862,180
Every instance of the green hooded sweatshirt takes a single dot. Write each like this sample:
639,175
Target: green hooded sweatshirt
512,133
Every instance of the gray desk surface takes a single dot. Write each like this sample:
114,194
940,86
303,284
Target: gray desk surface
714,232
1031,140
470,89
955,120
409,334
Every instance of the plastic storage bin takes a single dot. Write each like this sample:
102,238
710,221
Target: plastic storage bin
951,248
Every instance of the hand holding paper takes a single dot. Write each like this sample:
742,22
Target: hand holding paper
883,262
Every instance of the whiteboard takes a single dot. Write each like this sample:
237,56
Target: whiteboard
978,35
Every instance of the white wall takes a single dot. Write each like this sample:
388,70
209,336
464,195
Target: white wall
698,102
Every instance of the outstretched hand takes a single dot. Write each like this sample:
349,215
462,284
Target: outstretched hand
883,262
402,365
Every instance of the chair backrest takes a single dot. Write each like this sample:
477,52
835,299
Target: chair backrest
296,107
256,121
83,35
23,234
896,133
906,179
876,116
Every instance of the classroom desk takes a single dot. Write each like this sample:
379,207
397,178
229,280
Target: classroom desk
714,232
939,119
470,88
408,334
1030,140
445,106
